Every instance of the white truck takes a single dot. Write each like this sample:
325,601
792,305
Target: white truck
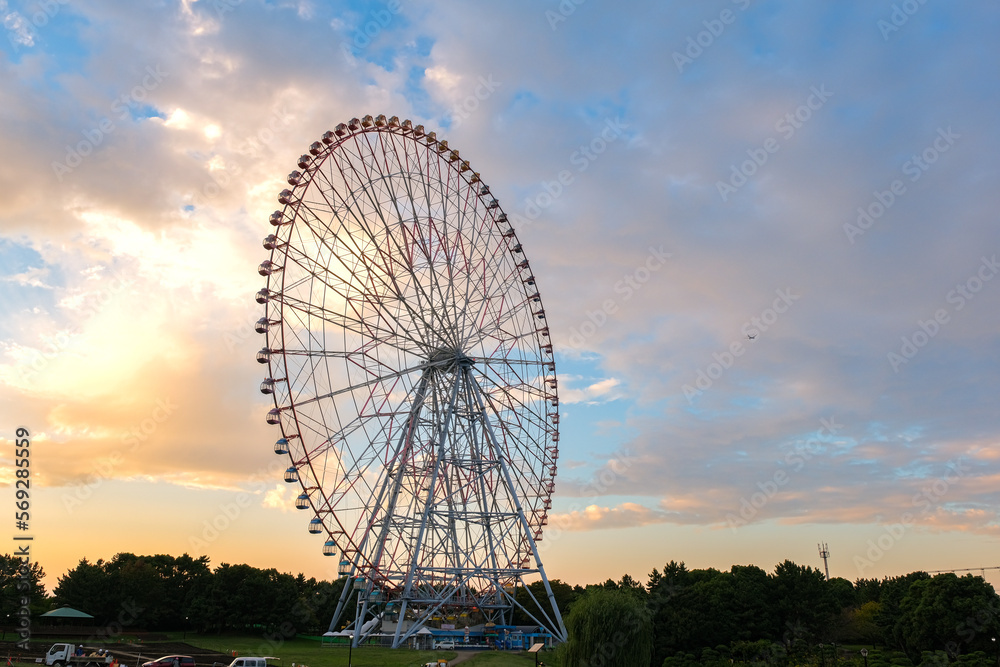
65,654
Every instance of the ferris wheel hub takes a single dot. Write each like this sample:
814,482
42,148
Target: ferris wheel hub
448,357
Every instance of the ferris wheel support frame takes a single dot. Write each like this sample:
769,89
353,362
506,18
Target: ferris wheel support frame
554,625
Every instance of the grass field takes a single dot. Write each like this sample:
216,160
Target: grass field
494,659
309,653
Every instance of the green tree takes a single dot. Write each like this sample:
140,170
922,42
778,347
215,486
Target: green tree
630,585
666,602
752,605
695,609
892,591
947,611
316,605
161,591
534,593
606,627
138,586
843,592
862,624
88,587
803,600
868,590
16,584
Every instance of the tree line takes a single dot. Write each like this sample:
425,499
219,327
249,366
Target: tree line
682,617
688,616
167,593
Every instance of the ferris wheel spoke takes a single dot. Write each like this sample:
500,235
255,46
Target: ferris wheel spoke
416,313
493,290
358,254
443,277
424,243
385,334
360,385
522,428
358,258
467,246
508,361
524,397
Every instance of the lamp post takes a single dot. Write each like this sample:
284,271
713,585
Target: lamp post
996,649
864,654
185,627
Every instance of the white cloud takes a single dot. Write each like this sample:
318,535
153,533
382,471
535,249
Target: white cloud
279,498
241,106
596,517
601,391
34,277
19,28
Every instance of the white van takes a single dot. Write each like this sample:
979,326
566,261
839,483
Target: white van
251,662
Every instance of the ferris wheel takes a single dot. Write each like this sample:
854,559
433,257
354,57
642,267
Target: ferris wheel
413,381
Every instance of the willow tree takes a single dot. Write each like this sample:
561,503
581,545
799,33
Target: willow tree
608,628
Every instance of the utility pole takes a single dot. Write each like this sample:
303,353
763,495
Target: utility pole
824,553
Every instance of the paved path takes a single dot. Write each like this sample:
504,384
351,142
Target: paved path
463,656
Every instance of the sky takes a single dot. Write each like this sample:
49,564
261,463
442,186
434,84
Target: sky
765,232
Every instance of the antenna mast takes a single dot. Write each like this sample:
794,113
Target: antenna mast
824,553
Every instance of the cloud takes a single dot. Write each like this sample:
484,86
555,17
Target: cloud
594,517
279,498
601,391
19,28
133,328
33,277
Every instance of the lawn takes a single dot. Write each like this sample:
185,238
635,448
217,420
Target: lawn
498,659
308,653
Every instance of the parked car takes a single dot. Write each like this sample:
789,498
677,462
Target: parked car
446,644
171,661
